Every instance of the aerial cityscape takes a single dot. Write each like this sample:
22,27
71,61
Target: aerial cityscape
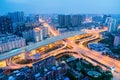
59,40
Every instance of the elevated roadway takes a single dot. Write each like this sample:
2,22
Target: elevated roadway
37,45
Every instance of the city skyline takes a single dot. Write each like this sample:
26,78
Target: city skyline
55,6
59,40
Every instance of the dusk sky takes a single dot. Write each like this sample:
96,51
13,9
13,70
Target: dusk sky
61,6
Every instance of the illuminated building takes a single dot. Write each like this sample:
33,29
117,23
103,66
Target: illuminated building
44,31
37,34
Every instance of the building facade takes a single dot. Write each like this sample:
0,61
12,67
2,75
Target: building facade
9,42
5,25
117,40
16,17
112,25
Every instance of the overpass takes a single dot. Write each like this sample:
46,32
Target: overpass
15,52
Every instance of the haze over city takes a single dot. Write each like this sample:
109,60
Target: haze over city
61,6
59,40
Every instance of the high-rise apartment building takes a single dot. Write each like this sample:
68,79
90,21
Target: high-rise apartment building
117,40
67,20
61,20
112,25
38,36
76,20
5,25
16,17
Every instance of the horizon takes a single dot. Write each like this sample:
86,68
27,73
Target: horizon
57,7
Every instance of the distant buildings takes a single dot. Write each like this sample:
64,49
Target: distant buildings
16,17
104,19
112,25
70,20
117,40
76,20
21,23
61,20
5,25
98,19
9,42
32,18
67,20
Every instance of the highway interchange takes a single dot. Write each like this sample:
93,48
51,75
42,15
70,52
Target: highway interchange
91,56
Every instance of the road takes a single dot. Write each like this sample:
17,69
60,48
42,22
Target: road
110,62
81,50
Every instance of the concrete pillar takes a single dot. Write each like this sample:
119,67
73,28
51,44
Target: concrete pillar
26,54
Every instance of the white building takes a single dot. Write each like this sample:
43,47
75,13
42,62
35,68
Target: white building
9,42
38,36
117,40
44,31
113,25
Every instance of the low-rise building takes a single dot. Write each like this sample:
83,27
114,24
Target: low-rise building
9,42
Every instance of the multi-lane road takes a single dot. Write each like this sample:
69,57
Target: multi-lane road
81,50
105,60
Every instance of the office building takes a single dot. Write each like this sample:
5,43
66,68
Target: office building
5,25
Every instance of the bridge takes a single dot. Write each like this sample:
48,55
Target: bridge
15,52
